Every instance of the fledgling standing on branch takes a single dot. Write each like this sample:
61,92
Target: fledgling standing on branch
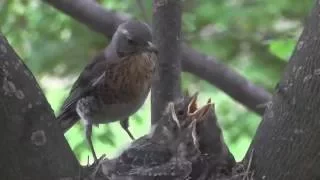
116,82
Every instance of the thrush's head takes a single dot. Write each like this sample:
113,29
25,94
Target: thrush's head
133,37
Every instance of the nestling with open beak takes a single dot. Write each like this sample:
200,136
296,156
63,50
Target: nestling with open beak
215,155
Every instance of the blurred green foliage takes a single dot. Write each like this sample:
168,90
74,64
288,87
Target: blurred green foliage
254,37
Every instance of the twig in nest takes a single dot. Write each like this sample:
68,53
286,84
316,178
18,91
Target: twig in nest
88,163
143,11
247,172
79,172
265,105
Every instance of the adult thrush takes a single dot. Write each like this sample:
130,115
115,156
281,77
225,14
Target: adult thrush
115,84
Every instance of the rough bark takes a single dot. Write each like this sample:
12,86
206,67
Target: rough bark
167,31
31,144
105,22
286,145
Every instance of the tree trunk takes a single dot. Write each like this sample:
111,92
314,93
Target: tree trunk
31,144
286,145
167,35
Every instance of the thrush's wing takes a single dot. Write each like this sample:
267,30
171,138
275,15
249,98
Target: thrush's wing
92,74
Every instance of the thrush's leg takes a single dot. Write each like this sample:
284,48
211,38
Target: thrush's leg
125,125
84,110
88,128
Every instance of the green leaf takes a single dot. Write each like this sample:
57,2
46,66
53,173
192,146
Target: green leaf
282,48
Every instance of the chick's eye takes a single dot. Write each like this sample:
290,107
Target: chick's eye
180,112
130,41
175,128
189,144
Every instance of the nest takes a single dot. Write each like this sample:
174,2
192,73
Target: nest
215,161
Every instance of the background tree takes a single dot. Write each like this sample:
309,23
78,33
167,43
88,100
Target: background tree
285,145
32,145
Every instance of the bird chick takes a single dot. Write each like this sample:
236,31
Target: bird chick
181,105
115,84
149,150
184,149
216,157
167,152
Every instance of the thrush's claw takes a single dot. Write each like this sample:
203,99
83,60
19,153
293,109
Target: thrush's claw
96,162
95,167
101,157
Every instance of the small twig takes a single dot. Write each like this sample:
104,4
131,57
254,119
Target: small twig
248,167
251,177
143,11
79,173
265,105
88,162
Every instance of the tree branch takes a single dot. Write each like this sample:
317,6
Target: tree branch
32,145
106,22
286,145
143,11
232,83
91,14
166,35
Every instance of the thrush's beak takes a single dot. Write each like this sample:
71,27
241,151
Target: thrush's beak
152,47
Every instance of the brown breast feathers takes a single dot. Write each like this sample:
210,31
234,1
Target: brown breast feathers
130,78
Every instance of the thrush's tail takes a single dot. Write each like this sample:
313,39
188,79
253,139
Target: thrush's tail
67,118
